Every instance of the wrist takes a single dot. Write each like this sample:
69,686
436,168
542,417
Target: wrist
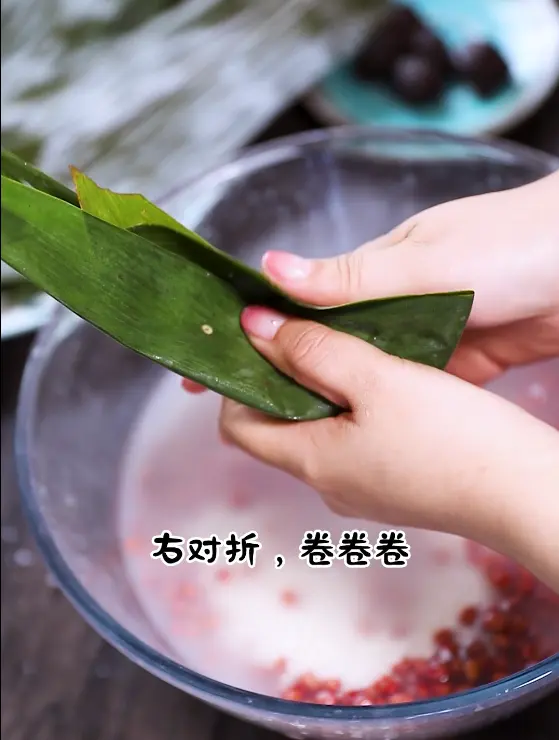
520,513
536,219
534,527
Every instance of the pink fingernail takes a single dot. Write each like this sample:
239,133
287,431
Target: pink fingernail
261,322
191,387
286,266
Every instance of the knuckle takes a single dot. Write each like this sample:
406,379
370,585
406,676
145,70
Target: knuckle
402,232
317,459
415,235
225,431
349,269
311,463
308,346
337,506
228,426
310,471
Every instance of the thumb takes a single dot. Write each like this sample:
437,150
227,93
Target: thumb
391,265
333,364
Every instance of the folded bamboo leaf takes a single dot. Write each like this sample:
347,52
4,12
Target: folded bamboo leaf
122,209
129,211
134,212
20,171
419,328
168,295
148,298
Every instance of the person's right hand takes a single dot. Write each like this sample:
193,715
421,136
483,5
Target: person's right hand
504,246
396,455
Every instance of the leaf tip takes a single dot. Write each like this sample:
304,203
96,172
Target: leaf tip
74,173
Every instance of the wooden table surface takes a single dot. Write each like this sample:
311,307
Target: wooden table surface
60,681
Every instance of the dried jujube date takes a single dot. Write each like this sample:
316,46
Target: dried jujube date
405,53
482,66
388,40
417,79
426,44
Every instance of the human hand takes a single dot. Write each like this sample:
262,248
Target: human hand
418,446
504,246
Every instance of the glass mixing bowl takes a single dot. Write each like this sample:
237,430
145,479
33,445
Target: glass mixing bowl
319,193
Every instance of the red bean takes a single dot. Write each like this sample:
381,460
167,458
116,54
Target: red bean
500,640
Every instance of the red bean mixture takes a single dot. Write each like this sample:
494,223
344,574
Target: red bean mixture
518,629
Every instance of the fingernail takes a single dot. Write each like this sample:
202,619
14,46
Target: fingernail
286,266
191,387
261,322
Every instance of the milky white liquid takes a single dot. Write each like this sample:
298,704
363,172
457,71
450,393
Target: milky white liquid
337,622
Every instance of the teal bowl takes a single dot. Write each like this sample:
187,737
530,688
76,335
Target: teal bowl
525,31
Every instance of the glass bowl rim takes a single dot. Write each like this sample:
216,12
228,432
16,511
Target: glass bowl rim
61,326
257,156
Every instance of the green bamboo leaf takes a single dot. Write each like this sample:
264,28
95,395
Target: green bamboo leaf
123,209
176,300
148,298
404,326
18,170
133,211
419,328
